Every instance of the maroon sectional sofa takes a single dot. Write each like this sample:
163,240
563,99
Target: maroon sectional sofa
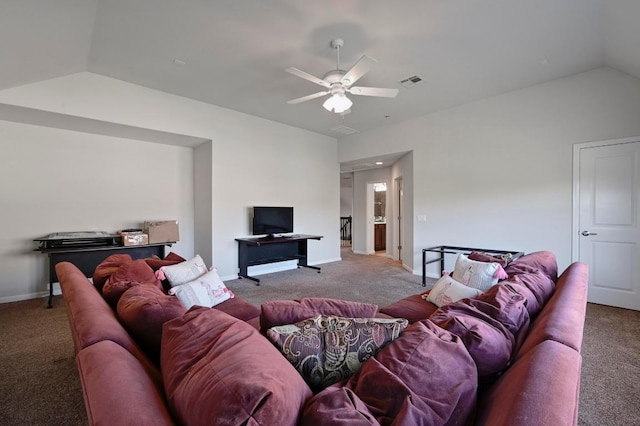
511,356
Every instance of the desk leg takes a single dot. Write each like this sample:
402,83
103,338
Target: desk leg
257,281
52,274
50,304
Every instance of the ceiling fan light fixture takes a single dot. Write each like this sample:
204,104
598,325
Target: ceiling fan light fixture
337,103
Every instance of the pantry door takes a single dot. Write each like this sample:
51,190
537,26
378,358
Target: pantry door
607,231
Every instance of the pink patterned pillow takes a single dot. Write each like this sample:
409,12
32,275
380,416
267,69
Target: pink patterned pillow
328,349
207,290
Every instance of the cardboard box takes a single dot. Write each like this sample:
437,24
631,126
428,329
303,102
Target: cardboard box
165,231
134,239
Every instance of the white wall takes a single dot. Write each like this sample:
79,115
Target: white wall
497,173
57,180
251,161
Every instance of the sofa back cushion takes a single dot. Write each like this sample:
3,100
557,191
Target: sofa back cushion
562,318
282,312
143,309
128,275
218,369
108,267
489,343
535,286
544,261
426,376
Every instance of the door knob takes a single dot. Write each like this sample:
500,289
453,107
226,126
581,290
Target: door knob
587,233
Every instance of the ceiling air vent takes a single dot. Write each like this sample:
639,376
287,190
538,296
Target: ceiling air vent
344,130
410,81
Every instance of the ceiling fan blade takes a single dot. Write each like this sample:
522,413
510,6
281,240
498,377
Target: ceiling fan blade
307,98
361,67
373,91
307,76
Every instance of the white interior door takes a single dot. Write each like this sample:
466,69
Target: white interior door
608,223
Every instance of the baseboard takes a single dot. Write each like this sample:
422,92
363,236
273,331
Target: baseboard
29,296
258,270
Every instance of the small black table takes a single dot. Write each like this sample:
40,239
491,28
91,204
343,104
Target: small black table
442,250
259,251
87,255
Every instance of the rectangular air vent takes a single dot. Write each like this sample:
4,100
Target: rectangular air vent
344,130
410,81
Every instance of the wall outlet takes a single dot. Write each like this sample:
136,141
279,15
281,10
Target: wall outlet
422,218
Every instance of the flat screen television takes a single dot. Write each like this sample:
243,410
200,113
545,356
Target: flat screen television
272,220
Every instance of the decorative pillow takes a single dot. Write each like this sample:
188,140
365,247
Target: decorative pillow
130,274
328,349
426,376
143,309
183,272
107,267
480,275
243,381
447,290
281,312
207,290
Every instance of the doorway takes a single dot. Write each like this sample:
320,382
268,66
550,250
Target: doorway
606,212
377,218
397,215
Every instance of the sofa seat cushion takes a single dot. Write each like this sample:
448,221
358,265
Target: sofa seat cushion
326,349
218,369
143,309
414,308
282,312
239,308
542,387
128,275
426,376
117,388
108,267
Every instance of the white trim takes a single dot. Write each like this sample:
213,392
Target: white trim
29,296
575,213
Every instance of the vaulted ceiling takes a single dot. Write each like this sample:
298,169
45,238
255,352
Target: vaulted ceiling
233,53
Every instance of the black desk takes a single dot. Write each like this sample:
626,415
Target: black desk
88,258
259,251
442,250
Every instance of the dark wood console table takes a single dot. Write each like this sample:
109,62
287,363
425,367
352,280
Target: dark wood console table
88,258
443,250
259,251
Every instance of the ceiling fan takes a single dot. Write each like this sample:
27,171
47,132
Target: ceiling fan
339,82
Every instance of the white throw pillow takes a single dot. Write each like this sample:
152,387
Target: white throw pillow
207,290
480,275
447,290
184,272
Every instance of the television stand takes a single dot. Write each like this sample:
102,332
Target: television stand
260,251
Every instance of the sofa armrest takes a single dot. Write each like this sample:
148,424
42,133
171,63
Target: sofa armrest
540,388
117,389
